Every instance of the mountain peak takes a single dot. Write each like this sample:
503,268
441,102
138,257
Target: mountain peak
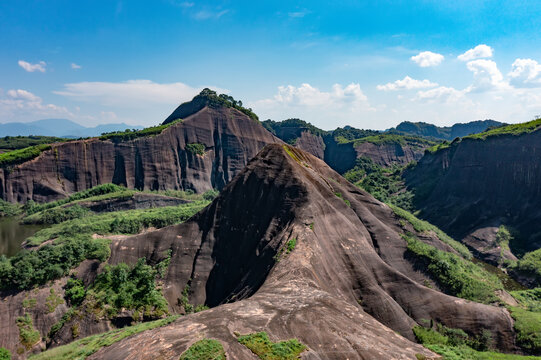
210,98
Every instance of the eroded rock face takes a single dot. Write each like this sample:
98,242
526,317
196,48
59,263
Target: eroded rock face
159,162
279,251
476,184
346,282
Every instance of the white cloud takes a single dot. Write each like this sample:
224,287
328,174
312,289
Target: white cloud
478,52
486,75
441,94
22,104
427,58
525,73
74,66
33,67
340,103
407,84
133,93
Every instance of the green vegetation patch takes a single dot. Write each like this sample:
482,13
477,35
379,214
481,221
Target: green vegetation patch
206,349
455,344
5,354
51,261
124,287
57,215
9,209
393,139
196,148
103,189
265,349
455,275
530,264
52,301
27,334
120,222
513,129
21,155
422,226
83,348
529,299
528,328
385,184
131,134
20,142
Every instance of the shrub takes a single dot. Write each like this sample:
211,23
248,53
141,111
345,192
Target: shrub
122,286
528,328
5,354
131,134
30,268
265,349
196,148
204,349
531,264
27,334
74,291
455,275
21,155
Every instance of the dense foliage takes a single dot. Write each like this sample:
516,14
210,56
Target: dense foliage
20,142
446,132
83,348
289,130
265,349
422,226
28,335
131,134
530,264
455,275
348,134
5,354
455,344
124,287
32,207
9,209
513,129
528,328
385,184
196,148
215,100
204,349
120,222
21,155
51,261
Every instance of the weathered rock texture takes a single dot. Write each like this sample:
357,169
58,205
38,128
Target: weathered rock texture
476,184
347,270
159,162
345,290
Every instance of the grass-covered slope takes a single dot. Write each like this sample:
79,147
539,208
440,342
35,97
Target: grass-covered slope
9,143
81,349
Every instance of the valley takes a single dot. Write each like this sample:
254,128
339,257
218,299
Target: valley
218,236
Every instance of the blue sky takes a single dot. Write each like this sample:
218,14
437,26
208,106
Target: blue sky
366,64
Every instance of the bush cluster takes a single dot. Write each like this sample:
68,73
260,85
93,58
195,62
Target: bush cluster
131,134
30,268
21,155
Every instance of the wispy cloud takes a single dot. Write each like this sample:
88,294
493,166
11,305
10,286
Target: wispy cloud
427,58
33,67
209,14
407,84
22,104
74,66
138,93
298,14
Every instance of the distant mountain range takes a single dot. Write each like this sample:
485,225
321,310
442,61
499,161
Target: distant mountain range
59,128
444,133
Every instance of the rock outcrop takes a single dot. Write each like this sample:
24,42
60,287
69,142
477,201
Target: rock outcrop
229,139
291,248
480,184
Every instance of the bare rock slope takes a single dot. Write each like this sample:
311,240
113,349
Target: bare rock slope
291,248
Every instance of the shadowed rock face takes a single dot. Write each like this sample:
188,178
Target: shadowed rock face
159,162
346,290
482,184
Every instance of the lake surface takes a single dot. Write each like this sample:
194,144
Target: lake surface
12,234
